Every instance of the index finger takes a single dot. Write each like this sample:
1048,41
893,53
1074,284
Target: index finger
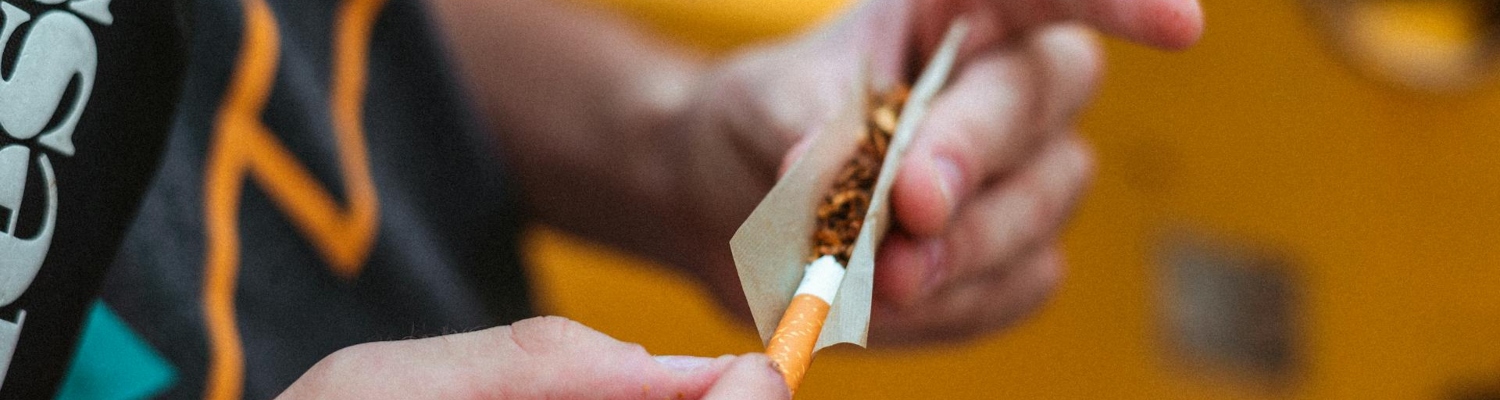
1172,24
1169,24
751,376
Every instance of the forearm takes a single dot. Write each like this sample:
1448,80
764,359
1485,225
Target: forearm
580,102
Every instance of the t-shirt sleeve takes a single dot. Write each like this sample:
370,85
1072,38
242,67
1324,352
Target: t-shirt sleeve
85,106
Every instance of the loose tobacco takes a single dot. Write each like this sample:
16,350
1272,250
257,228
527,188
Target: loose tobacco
841,214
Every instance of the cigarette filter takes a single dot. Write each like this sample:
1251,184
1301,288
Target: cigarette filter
791,346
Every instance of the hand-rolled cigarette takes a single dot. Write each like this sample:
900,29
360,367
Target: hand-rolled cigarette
791,347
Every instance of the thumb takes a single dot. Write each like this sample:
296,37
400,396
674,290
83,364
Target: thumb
751,376
545,357
559,358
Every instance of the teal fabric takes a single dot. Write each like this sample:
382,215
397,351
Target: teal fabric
112,362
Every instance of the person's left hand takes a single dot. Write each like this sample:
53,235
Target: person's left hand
538,358
992,175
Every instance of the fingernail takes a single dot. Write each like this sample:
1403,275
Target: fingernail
948,177
779,375
683,363
775,371
935,254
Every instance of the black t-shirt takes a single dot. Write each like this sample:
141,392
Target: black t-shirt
320,184
87,95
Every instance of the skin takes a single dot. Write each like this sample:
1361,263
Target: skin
631,142
546,357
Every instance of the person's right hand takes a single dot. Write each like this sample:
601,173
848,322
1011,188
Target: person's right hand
538,358
993,170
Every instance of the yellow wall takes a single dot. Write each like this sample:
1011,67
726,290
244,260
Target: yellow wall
1386,199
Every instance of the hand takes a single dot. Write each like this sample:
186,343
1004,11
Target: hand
994,170
542,358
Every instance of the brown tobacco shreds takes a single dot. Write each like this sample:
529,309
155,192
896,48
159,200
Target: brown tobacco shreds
842,211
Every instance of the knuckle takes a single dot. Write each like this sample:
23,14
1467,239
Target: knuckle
1077,48
541,335
633,350
544,326
1035,289
1085,162
1090,59
988,304
340,365
1033,216
1072,61
1046,279
553,336
351,355
1043,280
1083,166
1071,165
1050,277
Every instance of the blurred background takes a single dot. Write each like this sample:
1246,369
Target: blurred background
1303,206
